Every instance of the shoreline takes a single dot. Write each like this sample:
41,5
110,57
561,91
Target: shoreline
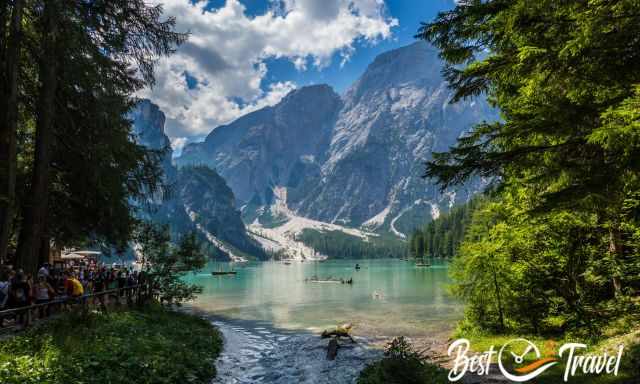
256,351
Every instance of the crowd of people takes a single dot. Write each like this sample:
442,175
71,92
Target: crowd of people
19,289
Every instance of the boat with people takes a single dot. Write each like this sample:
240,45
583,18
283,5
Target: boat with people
422,263
315,279
222,273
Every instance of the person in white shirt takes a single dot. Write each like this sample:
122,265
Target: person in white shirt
44,271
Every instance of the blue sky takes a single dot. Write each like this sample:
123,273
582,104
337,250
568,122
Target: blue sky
409,14
243,55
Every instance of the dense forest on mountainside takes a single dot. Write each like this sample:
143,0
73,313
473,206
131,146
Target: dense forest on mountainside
340,245
442,237
557,249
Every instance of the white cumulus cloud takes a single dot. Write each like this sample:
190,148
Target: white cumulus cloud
227,49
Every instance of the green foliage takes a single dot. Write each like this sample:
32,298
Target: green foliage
442,236
339,245
557,71
539,274
556,250
100,170
95,56
164,264
402,365
151,345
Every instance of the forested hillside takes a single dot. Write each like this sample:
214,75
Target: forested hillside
442,237
340,245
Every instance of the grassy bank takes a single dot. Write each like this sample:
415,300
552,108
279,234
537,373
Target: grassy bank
150,345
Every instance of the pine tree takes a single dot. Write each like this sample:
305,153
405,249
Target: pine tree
557,71
10,48
78,89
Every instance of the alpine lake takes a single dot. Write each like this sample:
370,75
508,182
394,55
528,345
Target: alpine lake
271,314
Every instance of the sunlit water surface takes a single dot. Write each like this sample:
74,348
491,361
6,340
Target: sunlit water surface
270,315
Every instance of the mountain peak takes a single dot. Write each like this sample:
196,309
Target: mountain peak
314,91
412,54
414,63
148,125
350,160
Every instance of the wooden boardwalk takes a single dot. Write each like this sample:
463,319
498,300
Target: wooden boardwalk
23,317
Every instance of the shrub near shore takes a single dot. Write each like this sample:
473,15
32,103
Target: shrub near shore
402,365
149,345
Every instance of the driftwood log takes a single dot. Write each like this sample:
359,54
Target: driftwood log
332,349
336,333
341,331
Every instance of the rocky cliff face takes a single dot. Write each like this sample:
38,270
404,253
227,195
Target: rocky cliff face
148,127
393,118
210,206
272,146
196,198
354,160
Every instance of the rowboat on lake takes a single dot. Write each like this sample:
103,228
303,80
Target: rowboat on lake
422,263
220,273
315,279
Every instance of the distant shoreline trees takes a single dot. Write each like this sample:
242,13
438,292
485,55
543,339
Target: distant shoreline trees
340,245
441,237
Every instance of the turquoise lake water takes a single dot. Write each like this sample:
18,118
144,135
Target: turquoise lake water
387,297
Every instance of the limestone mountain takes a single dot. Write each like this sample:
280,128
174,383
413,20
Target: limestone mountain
195,198
354,160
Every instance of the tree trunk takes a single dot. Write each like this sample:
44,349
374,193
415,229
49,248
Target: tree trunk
615,249
45,248
9,121
35,211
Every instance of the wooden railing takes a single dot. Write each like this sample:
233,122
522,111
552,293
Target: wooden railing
25,316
